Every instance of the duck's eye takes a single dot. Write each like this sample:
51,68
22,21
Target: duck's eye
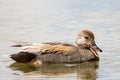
86,37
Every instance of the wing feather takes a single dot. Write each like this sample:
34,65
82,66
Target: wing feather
63,48
47,48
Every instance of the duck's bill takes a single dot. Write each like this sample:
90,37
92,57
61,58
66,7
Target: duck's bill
96,48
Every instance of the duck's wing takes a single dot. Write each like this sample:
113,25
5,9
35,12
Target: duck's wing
49,47
58,47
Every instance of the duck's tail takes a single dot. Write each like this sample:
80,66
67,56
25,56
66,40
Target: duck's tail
23,57
21,43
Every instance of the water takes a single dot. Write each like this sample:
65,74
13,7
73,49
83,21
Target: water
60,20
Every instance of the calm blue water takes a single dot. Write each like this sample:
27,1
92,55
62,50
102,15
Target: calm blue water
60,20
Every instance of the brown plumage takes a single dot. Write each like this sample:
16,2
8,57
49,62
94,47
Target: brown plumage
87,32
85,50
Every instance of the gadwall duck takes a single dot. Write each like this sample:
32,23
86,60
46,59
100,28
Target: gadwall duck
84,50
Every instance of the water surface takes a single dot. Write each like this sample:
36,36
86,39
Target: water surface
60,20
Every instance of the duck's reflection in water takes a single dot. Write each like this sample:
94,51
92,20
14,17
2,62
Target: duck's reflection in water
86,70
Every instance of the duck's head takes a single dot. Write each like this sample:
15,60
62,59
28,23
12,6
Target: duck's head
86,39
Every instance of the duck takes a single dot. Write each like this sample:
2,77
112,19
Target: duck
84,49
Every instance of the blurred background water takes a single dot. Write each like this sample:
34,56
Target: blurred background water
60,20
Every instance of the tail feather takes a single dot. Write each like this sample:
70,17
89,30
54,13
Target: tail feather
23,57
22,43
